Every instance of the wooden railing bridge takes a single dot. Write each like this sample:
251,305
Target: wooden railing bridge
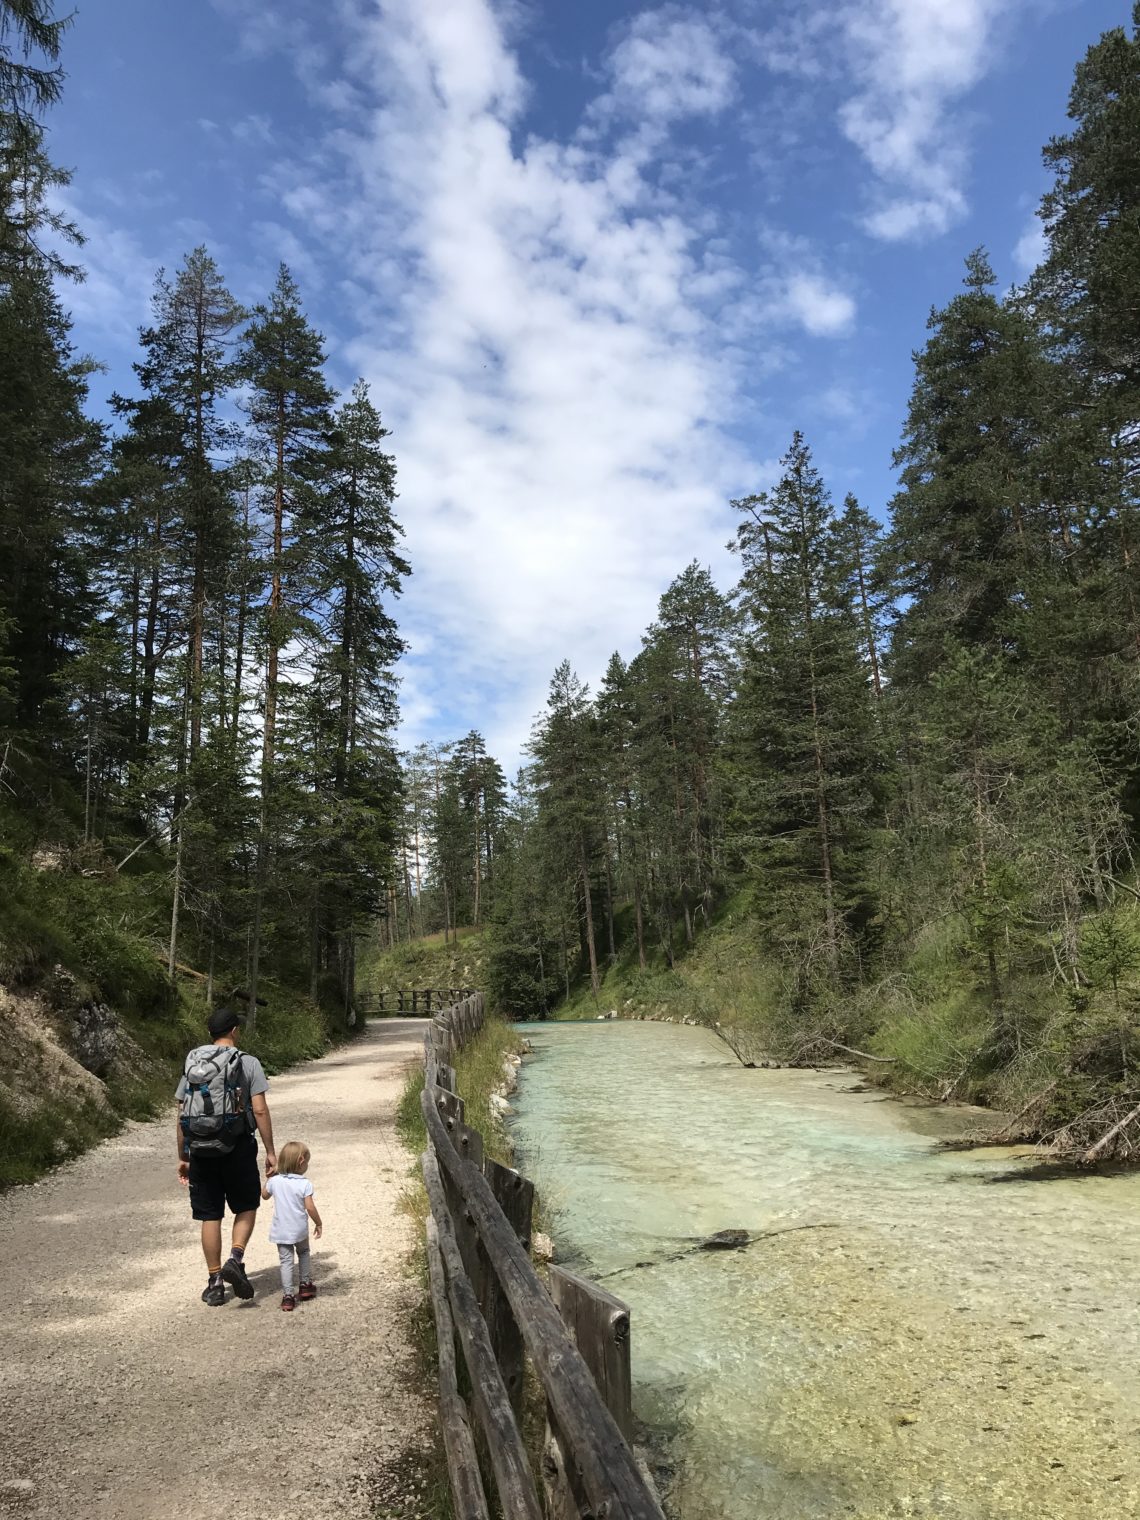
486,1292
415,1000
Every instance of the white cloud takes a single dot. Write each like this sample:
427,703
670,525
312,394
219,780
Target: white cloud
822,309
552,372
912,60
1031,247
253,129
557,341
670,64
112,302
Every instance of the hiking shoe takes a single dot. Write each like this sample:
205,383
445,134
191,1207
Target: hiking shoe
214,1293
288,1302
308,1291
234,1274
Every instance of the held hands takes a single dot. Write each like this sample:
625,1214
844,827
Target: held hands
270,1163
184,1173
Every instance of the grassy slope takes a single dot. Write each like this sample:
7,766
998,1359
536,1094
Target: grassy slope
422,963
99,929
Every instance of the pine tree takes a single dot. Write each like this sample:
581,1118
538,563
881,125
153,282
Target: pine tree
27,88
617,718
804,751
566,766
1088,287
190,367
969,519
49,452
282,361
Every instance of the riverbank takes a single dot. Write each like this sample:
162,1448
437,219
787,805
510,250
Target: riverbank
911,1334
1047,1062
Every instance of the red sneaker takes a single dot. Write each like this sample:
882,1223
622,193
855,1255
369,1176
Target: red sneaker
288,1302
308,1291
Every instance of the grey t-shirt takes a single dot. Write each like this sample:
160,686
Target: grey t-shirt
255,1076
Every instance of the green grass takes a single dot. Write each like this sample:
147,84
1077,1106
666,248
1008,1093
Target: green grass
32,1143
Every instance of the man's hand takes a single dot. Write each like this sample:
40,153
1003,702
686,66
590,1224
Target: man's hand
317,1232
270,1163
184,1173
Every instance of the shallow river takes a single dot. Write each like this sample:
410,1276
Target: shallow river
923,1338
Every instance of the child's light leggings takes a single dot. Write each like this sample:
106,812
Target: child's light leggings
285,1257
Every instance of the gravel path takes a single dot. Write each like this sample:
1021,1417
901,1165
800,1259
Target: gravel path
122,1397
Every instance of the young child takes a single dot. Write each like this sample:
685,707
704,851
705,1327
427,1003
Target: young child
293,1207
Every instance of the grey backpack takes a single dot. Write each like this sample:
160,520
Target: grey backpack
216,1111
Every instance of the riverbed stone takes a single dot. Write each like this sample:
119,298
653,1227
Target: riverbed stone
726,1240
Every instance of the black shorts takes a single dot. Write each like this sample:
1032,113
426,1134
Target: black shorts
218,1180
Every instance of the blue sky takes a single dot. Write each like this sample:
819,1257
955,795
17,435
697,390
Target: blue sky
597,260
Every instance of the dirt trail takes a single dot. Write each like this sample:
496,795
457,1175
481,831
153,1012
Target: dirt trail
122,1397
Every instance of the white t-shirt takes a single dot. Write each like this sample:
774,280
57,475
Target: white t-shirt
290,1222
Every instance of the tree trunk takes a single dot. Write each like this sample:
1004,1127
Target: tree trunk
478,850
87,786
823,822
589,905
869,630
239,640
268,738
610,908
172,957
983,877
150,658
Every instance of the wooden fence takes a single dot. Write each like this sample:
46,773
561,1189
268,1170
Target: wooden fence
415,1000
486,1292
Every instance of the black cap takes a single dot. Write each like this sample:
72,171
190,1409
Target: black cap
223,1021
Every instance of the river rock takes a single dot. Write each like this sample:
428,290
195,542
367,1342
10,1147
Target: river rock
726,1240
542,1247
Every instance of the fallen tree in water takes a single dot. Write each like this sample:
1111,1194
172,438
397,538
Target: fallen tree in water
722,1240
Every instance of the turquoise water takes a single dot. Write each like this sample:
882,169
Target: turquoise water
914,1337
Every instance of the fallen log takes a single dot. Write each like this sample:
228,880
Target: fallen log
1094,1150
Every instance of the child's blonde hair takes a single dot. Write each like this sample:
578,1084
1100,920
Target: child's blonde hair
293,1157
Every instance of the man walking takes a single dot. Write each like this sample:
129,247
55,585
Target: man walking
221,1102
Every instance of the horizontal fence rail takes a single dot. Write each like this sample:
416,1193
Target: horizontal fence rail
487,1296
416,1000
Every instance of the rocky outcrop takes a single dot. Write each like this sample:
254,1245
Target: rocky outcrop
90,1031
36,1066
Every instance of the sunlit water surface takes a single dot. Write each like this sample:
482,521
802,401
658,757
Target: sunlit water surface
937,1343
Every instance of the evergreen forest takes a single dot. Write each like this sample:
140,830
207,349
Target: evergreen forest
199,787
882,794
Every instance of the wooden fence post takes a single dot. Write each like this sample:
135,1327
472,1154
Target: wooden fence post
468,1499
515,1196
598,1324
496,1417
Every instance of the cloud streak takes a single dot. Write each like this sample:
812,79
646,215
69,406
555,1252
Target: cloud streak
911,61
